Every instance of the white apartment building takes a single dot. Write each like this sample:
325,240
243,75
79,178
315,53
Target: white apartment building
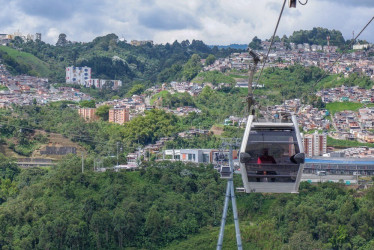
315,144
78,75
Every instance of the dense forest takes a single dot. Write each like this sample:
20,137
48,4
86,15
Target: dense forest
172,206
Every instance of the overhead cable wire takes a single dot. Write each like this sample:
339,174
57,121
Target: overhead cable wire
271,43
76,137
344,52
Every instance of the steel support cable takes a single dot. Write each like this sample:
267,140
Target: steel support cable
271,43
344,52
77,137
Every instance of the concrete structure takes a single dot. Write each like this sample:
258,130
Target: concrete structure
213,156
24,37
78,75
320,144
323,177
315,144
308,145
38,36
339,166
119,115
99,83
88,114
140,43
361,46
5,39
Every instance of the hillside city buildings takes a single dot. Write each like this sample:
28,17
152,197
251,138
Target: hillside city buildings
5,39
357,61
349,125
25,90
82,76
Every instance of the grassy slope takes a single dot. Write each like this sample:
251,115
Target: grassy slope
334,107
40,67
331,142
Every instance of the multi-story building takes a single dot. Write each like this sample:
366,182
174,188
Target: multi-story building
78,75
308,145
320,144
119,115
315,144
88,114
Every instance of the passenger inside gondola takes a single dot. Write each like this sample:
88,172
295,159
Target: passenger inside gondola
265,157
271,156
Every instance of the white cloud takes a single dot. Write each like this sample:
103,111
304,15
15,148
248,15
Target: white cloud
213,21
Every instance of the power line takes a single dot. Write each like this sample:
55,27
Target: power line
344,52
271,43
78,137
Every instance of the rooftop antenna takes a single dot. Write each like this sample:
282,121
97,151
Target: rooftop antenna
353,36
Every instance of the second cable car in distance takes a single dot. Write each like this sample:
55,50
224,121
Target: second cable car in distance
272,156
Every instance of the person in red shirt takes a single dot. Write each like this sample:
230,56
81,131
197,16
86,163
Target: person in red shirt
265,157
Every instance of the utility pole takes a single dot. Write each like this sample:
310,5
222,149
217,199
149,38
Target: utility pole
328,50
82,162
117,153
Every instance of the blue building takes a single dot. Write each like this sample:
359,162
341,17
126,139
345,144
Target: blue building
340,166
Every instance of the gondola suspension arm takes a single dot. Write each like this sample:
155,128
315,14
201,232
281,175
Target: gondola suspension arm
252,71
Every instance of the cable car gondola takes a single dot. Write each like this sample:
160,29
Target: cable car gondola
226,172
272,156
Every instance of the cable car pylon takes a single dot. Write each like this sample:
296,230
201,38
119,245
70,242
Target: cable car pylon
230,195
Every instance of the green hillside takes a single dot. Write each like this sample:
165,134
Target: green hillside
34,65
110,58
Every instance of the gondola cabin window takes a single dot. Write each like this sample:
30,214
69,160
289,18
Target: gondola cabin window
271,156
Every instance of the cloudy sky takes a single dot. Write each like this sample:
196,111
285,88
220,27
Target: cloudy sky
213,21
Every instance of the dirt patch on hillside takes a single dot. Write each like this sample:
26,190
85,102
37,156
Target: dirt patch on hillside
216,130
56,141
